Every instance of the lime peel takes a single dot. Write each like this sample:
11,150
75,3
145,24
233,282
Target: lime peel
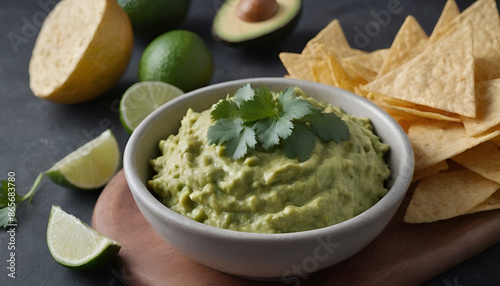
89,167
179,57
142,98
74,244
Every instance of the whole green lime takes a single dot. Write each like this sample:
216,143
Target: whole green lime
152,17
180,58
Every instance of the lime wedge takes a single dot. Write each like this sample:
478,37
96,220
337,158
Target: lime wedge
90,166
74,244
140,99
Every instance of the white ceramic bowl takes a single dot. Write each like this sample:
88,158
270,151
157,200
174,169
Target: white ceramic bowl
254,255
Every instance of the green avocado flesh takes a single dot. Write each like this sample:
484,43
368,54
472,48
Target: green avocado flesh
266,192
231,30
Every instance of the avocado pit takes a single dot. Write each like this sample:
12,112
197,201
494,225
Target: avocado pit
255,23
256,10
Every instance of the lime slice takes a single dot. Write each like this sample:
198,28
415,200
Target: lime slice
74,244
90,166
142,98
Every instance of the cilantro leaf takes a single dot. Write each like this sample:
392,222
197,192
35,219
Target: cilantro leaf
225,109
5,219
4,198
6,204
291,106
243,94
279,125
328,126
267,132
261,106
4,194
271,130
224,130
234,135
300,143
239,147
272,119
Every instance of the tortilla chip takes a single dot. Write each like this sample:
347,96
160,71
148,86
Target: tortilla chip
340,77
358,74
491,203
431,80
326,69
297,65
408,110
410,40
362,92
483,159
448,194
430,170
416,114
441,89
365,66
483,15
423,108
450,11
334,40
372,60
487,108
321,72
436,140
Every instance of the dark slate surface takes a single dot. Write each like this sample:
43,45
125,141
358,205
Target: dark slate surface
37,133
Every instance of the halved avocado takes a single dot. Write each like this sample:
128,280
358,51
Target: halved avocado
231,29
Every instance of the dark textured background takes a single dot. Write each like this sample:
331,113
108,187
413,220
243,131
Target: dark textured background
36,133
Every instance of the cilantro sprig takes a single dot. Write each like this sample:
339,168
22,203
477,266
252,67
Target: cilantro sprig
263,119
9,200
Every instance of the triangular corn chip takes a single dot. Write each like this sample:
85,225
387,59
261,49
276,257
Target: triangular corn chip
483,159
297,65
334,40
436,140
448,194
450,11
441,77
410,40
483,15
487,108
365,66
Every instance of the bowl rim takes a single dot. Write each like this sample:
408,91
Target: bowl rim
141,192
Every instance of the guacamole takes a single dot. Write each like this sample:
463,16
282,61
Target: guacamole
265,191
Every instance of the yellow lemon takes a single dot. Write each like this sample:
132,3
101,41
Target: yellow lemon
82,50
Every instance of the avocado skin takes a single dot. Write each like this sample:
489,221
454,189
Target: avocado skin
266,40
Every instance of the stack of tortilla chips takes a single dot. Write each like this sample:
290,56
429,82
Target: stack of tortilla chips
444,90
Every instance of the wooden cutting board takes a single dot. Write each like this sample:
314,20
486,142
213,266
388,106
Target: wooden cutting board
402,254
